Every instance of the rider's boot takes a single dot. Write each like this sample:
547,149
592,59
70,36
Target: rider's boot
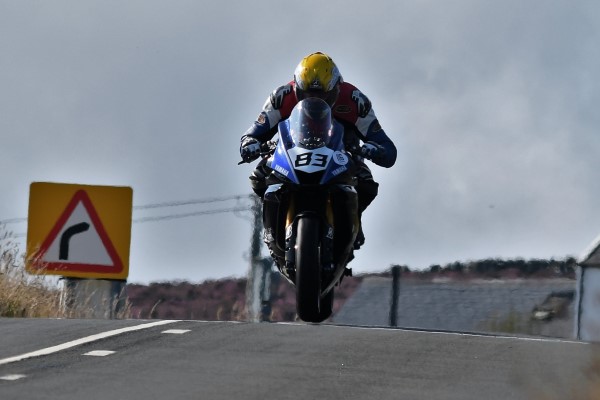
360,236
258,179
367,190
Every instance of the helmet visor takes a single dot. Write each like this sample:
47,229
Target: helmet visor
329,97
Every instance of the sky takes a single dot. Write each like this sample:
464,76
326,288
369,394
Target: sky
490,104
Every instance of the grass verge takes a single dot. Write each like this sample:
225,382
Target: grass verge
21,294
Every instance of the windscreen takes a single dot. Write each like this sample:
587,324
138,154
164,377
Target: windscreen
310,123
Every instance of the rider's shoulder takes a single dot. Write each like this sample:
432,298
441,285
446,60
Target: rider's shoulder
283,96
351,102
347,88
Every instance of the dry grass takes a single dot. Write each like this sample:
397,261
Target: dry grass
30,296
23,295
93,299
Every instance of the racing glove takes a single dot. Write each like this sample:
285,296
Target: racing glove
372,151
250,149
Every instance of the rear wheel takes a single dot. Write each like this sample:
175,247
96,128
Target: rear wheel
309,305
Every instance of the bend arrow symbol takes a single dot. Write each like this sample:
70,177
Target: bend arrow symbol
63,253
90,253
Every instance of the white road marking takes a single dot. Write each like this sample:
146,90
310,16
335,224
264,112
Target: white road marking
99,353
177,331
434,332
13,377
88,339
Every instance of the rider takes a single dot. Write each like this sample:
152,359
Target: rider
318,76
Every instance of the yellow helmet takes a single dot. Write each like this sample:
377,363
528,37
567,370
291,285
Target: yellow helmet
317,76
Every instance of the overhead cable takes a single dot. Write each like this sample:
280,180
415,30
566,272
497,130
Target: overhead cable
189,202
190,214
158,205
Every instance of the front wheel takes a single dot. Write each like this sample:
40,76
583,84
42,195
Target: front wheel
309,305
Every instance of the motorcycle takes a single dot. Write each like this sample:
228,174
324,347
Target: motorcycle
310,207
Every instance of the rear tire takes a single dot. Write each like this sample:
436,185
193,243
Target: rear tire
309,306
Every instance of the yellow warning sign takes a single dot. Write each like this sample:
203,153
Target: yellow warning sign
79,231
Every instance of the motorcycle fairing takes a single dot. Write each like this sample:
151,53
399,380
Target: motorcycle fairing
328,160
280,161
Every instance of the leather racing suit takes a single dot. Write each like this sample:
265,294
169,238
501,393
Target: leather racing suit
353,110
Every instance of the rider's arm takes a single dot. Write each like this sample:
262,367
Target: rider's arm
277,107
376,134
354,107
261,129
370,130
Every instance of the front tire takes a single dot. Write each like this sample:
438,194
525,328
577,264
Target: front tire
309,306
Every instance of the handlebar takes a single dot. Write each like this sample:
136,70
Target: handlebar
266,149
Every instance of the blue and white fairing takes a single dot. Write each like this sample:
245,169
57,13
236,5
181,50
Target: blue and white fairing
310,142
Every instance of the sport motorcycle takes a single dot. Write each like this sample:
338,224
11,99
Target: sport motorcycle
310,207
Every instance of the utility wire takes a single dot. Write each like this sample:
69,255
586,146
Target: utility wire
190,214
172,216
13,220
168,216
188,202
162,205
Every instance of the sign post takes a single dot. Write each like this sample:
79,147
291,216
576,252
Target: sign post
82,233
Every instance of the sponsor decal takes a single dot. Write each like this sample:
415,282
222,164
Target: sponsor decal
316,84
340,158
343,109
282,170
329,233
268,235
339,170
261,120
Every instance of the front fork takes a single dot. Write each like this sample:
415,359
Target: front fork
326,238
338,211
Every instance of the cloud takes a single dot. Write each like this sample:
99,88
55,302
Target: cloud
491,105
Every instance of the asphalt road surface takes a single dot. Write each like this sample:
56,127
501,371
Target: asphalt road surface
137,359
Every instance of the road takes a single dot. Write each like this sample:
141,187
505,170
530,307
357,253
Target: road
136,359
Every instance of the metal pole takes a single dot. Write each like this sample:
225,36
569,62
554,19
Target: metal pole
94,298
265,290
395,293
578,297
253,295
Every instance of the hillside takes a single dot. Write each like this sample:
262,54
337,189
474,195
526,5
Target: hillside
225,300
219,300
